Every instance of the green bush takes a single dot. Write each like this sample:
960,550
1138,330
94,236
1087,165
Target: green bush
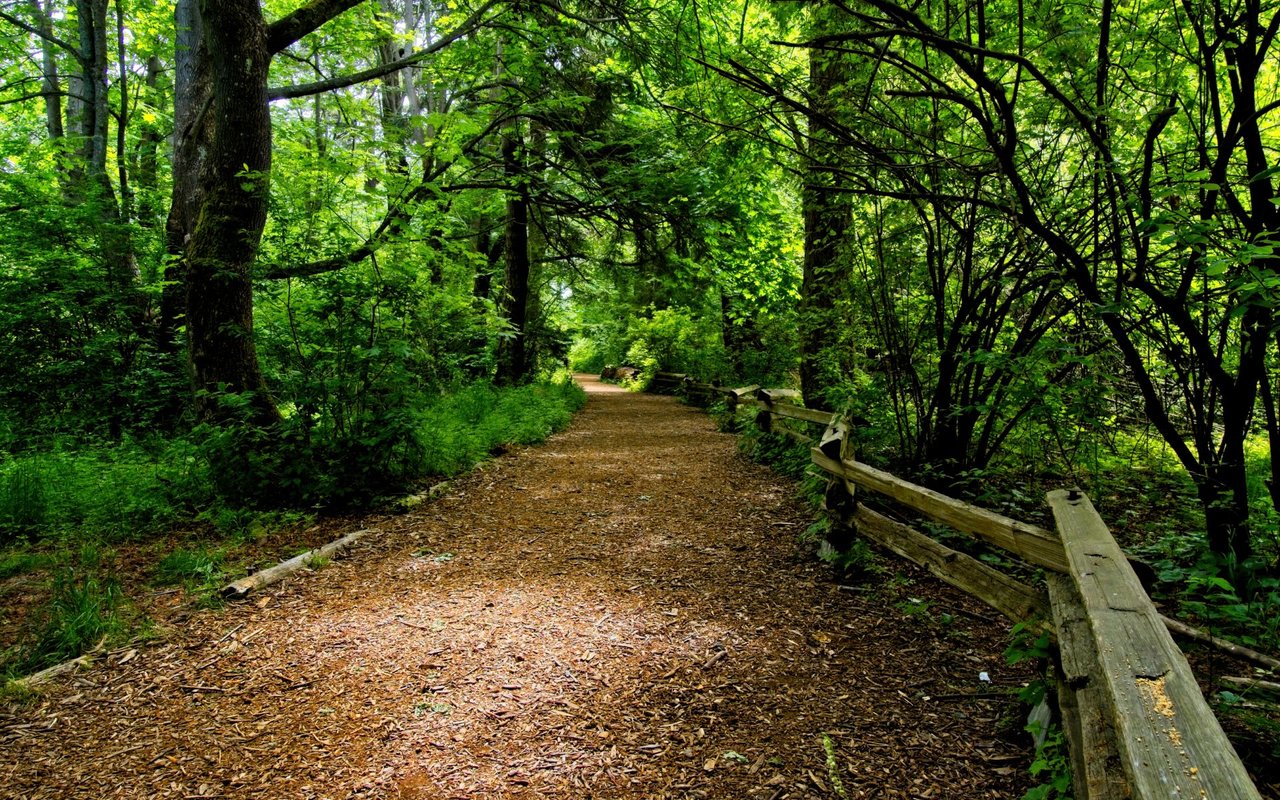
24,503
676,341
586,355
466,426
444,435
112,492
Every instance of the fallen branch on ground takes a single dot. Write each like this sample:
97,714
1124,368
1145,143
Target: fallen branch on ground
243,587
1241,652
49,673
1250,685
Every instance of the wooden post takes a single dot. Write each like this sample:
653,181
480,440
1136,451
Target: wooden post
736,397
840,500
764,417
1096,769
1169,741
768,400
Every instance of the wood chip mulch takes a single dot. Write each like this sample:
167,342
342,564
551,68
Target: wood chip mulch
622,612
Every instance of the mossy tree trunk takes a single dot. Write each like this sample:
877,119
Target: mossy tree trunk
232,211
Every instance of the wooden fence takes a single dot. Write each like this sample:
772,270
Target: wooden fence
1135,720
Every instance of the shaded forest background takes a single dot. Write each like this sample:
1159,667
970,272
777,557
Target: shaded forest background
277,258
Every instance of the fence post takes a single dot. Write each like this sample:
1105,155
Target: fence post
764,418
1169,742
840,500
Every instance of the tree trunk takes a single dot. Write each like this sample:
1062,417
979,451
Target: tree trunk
826,219
192,140
92,113
513,366
1224,494
50,84
146,163
233,192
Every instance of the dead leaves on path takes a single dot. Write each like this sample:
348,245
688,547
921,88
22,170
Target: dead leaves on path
620,613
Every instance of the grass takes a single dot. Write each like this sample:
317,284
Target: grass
109,493
193,567
465,427
21,563
85,610
24,501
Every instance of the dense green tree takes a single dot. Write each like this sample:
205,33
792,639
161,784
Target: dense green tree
926,211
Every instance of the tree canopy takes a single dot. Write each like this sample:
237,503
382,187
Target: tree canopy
997,232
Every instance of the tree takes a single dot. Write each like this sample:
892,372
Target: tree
224,205
1129,182
824,356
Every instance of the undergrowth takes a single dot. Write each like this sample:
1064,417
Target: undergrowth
200,569
60,506
86,610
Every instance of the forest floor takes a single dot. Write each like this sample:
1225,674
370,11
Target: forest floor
622,612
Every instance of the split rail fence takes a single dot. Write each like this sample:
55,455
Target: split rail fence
1136,722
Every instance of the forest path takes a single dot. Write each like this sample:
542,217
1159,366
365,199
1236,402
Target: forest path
621,612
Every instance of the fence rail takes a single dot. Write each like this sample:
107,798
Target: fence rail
1135,719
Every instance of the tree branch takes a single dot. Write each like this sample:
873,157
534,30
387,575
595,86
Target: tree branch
289,29
48,37
397,216
8,101
342,81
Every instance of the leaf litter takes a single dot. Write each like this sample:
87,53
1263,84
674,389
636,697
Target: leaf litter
625,612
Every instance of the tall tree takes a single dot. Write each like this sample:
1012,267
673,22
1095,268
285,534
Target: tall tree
220,210
823,293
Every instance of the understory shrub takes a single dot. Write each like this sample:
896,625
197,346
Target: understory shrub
108,492
404,443
464,427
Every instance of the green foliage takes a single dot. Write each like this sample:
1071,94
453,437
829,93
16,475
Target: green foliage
444,435
1052,765
1238,600
112,492
664,340
1030,640
855,562
672,341
20,563
192,567
23,501
588,356
833,767
83,612
75,355
779,452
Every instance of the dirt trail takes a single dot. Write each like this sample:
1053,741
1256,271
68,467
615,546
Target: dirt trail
622,612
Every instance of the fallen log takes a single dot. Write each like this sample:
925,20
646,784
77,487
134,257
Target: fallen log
414,500
49,673
1179,628
1250,685
245,586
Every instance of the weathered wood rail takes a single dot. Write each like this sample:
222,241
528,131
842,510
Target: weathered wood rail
1135,719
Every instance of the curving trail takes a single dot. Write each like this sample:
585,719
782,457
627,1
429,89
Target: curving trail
622,612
